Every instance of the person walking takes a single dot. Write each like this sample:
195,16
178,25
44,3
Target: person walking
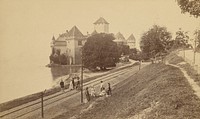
73,84
109,91
101,86
78,84
87,94
62,85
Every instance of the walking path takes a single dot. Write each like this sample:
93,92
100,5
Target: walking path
193,84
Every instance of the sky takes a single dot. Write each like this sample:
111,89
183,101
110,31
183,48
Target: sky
27,26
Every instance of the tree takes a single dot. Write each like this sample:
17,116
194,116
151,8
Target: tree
190,6
133,51
197,34
58,58
123,49
156,40
100,51
64,60
181,39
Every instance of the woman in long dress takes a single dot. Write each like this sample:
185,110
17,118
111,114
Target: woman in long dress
71,85
87,94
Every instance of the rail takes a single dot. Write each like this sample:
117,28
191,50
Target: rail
61,95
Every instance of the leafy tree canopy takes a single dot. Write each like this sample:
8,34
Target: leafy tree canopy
181,39
133,51
123,49
156,40
100,51
58,58
190,6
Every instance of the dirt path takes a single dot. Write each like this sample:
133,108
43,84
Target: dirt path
193,84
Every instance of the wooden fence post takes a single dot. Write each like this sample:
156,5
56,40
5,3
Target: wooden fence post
42,105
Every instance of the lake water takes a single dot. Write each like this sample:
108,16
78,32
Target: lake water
21,76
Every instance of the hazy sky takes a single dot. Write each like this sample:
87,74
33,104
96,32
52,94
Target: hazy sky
27,26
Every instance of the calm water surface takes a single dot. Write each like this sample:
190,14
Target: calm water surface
22,76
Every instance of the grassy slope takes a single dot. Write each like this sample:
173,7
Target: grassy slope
155,83
174,59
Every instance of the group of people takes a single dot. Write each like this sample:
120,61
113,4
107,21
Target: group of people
74,84
103,91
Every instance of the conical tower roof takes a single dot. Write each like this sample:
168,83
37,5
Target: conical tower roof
101,20
75,32
53,38
94,32
131,37
119,36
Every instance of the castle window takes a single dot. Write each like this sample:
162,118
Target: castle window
79,42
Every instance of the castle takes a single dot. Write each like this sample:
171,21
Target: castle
72,41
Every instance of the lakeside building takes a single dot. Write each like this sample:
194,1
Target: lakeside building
119,39
71,42
131,42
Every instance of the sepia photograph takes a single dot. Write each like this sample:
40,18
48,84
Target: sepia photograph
99,59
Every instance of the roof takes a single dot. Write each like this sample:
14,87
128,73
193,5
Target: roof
119,36
62,37
75,32
64,34
101,20
94,32
131,37
53,38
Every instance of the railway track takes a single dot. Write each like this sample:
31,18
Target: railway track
34,107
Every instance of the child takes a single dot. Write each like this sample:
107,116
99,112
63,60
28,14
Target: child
62,85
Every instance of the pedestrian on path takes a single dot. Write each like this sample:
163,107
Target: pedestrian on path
109,91
62,86
78,84
101,86
87,94
71,85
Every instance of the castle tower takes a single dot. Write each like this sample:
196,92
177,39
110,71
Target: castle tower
70,43
75,41
101,25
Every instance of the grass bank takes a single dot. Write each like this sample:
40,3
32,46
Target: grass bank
32,97
157,91
173,58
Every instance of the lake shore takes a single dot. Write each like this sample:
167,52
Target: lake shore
88,76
